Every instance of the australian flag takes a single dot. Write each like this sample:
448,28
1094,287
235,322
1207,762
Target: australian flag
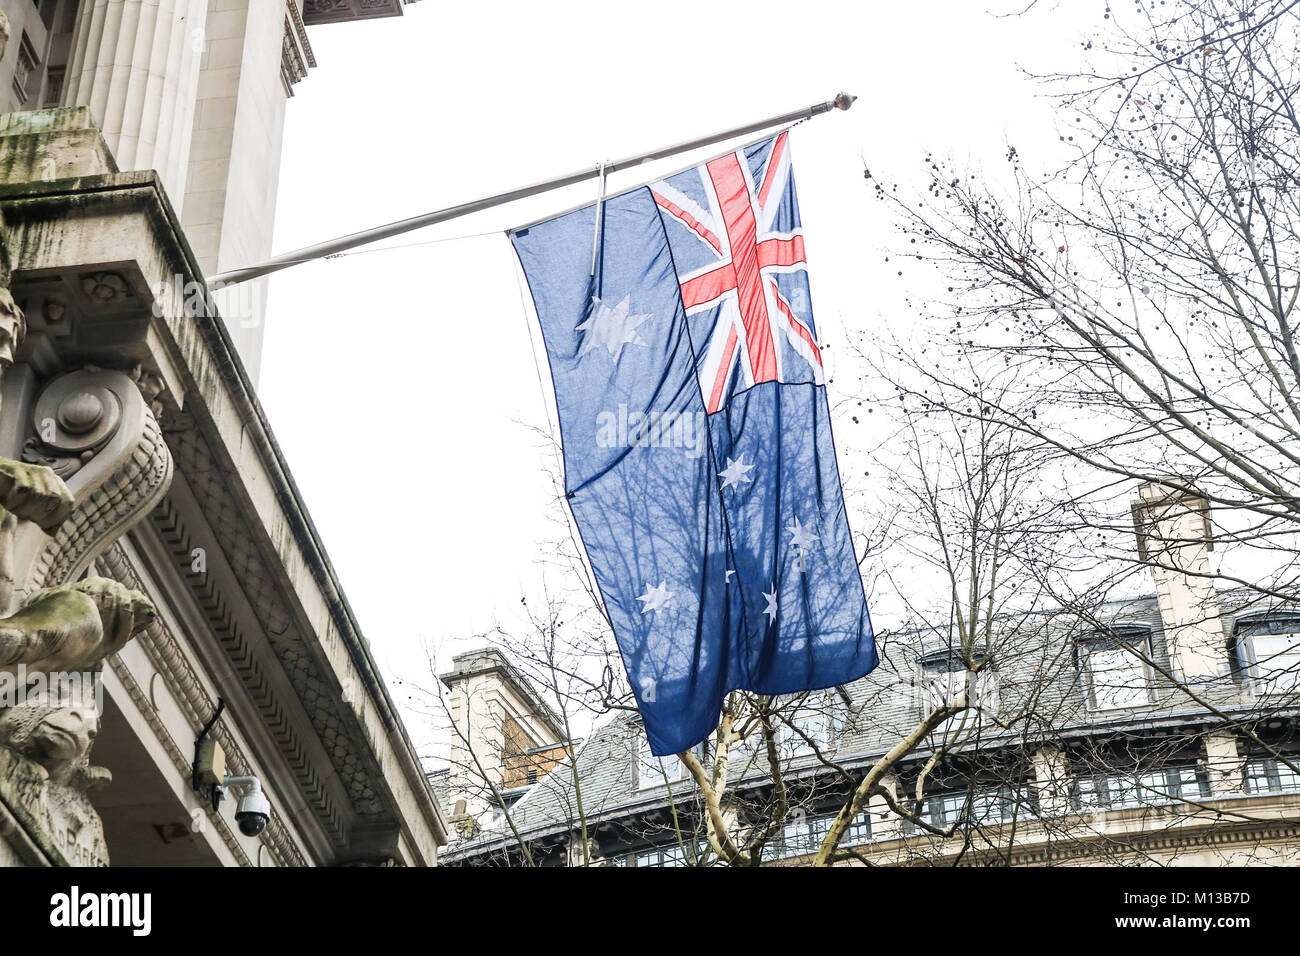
697,443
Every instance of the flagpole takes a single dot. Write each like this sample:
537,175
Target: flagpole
343,243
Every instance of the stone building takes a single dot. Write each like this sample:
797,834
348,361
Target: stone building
1184,753
153,545
511,732
193,89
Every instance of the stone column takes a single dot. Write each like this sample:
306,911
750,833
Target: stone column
1224,763
574,850
1051,781
135,63
885,825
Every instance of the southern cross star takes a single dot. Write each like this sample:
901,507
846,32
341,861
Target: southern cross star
800,536
611,327
656,598
770,610
735,472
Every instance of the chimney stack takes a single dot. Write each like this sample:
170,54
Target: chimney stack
1174,540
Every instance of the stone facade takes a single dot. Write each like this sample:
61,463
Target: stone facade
152,536
193,89
503,729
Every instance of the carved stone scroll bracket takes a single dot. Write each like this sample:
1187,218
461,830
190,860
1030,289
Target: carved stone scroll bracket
95,429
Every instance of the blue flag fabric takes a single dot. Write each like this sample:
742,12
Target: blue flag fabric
697,444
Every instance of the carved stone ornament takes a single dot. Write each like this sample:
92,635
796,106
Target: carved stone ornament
71,629
12,327
52,652
94,428
105,287
45,774
96,463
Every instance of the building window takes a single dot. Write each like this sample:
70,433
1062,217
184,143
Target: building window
1151,788
23,68
988,806
1268,651
812,724
859,830
804,834
671,855
947,680
53,87
1270,775
652,771
944,810
676,853
1115,672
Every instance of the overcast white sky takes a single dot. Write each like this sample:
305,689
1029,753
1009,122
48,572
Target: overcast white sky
401,383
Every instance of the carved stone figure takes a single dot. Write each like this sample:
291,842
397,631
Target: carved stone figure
73,627
62,636
34,493
13,326
99,429
45,774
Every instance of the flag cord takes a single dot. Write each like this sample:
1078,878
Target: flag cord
343,243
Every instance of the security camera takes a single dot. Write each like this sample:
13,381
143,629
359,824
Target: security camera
254,810
208,777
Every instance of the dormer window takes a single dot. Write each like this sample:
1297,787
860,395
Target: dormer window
810,725
949,680
652,771
1268,650
1114,667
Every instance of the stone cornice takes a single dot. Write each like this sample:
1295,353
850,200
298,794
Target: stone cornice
226,628
300,32
339,11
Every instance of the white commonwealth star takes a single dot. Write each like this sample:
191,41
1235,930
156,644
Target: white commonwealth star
611,327
770,610
735,472
656,598
800,536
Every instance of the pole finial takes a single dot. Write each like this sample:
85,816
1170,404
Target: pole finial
844,100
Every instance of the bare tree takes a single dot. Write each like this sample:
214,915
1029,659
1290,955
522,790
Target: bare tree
965,514
974,752
1145,285
1122,321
